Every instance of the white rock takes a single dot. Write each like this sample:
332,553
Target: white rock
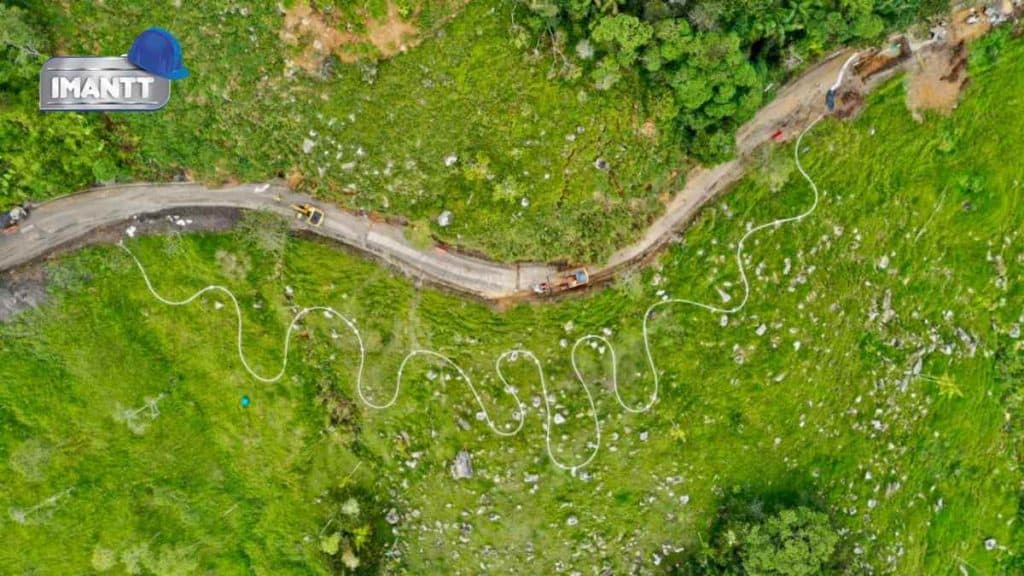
723,295
462,467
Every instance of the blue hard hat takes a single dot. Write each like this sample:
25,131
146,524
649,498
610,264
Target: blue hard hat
157,51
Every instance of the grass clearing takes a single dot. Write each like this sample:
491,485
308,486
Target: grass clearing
885,385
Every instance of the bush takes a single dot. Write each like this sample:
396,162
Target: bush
795,541
43,155
264,232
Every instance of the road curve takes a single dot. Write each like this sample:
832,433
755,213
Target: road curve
67,220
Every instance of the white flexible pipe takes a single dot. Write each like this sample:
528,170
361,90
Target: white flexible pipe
509,355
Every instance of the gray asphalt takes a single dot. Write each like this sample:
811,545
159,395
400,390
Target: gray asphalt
65,220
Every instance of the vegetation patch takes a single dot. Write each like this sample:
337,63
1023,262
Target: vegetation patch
548,130
704,67
860,415
468,123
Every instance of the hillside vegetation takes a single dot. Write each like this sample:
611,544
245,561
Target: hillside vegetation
861,415
705,66
549,131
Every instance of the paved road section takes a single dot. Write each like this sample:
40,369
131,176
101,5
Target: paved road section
64,221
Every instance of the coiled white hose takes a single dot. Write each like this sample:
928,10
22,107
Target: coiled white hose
509,355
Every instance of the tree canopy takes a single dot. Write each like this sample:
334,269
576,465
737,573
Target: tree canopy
712,59
42,154
796,541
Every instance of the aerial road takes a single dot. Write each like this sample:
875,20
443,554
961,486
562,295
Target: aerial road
67,221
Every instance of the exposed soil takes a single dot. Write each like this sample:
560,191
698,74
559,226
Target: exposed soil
649,129
848,103
321,36
21,290
937,79
968,24
392,35
294,178
939,73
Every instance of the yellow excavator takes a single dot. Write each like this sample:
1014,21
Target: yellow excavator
571,280
311,214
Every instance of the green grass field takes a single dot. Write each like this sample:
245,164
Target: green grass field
466,122
875,372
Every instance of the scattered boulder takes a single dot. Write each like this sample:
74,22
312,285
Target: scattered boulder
462,467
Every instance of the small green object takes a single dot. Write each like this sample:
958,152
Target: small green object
245,401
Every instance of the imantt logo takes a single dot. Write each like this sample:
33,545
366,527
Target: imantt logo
139,82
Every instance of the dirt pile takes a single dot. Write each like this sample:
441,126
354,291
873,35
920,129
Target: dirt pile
939,71
879,61
848,102
938,77
321,36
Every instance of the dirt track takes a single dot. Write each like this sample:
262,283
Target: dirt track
64,222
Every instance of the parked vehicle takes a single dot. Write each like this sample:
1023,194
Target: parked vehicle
577,278
12,219
313,215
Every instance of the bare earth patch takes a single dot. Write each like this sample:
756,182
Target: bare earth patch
969,24
321,36
937,79
939,73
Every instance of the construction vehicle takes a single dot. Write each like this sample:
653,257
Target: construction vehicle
577,278
11,219
311,214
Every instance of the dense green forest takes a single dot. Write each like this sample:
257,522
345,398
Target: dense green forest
706,64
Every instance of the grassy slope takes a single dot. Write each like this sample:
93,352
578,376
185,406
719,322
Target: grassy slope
740,414
467,91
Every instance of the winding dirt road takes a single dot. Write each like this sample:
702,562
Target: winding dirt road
66,221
